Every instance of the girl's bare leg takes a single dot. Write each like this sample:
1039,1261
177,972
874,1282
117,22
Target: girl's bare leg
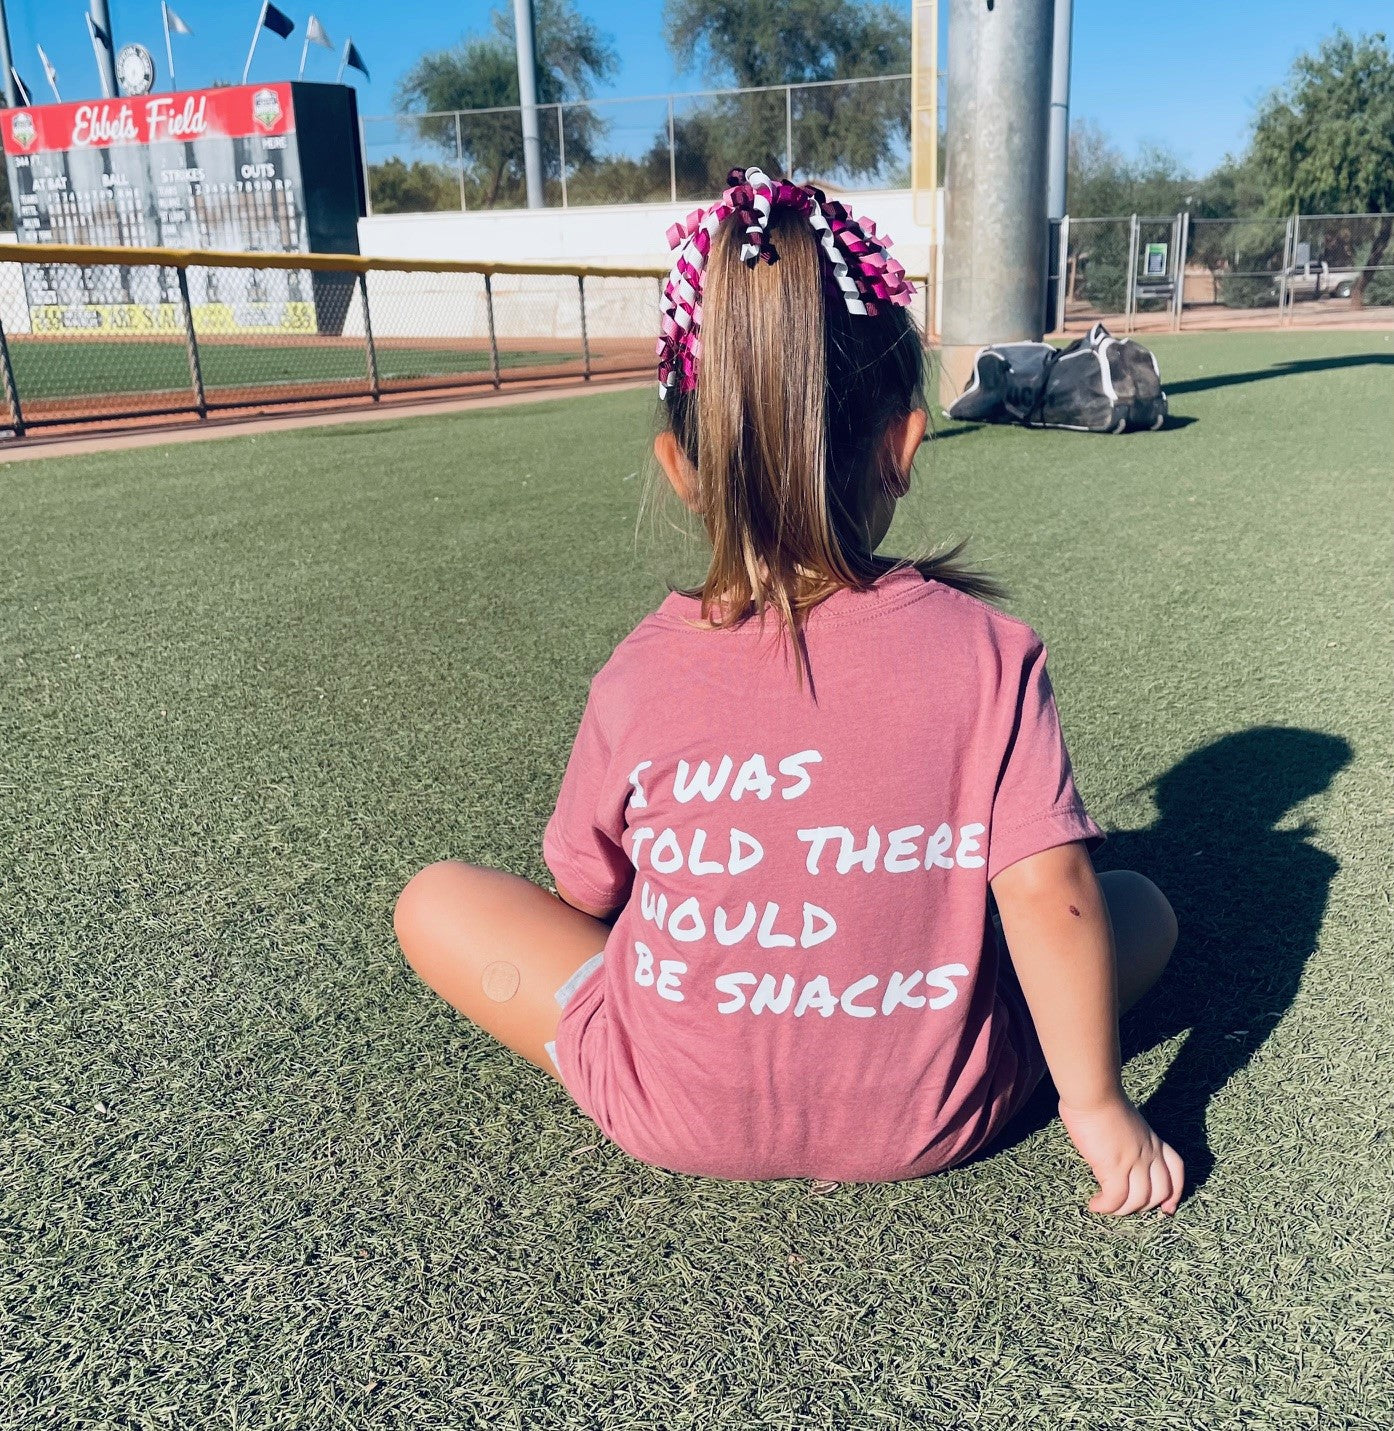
1144,932
497,948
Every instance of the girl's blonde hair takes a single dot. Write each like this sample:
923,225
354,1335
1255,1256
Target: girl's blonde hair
788,431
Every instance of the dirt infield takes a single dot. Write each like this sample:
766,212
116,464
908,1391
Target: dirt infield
1217,318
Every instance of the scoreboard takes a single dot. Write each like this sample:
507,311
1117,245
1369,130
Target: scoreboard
271,168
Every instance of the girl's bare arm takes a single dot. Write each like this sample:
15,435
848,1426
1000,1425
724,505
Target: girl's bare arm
1057,928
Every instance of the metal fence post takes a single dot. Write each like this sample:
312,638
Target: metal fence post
1296,241
11,387
788,132
1130,294
191,341
1182,246
493,339
460,160
585,337
374,381
1288,252
1063,276
363,160
672,157
561,153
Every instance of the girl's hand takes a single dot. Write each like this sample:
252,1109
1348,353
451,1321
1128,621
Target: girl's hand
1135,1169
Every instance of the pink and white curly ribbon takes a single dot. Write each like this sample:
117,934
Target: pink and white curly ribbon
857,266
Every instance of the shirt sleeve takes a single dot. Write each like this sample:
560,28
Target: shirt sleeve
1036,806
583,842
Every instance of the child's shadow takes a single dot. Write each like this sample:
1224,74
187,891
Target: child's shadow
1249,899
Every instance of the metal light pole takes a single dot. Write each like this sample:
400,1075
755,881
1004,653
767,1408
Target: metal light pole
995,180
1058,160
1059,147
7,60
527,94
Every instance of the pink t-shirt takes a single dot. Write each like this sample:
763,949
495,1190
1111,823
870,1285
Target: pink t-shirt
804,979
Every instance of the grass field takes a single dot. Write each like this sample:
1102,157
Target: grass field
84,368
256,1176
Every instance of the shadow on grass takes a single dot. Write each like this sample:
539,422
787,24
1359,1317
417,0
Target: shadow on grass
1289,369
1249,899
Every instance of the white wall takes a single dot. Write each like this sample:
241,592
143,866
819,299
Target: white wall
615,234
599,233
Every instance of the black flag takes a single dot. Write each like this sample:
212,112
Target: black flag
351,59
277,21
354,61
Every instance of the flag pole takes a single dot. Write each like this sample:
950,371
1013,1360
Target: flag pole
97,55
304,50
50,74
343,61
169,48
256,35
6,59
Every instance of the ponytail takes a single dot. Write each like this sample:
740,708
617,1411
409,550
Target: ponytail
787,430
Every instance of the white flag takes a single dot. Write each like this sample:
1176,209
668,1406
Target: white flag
316,34
174,22
49,72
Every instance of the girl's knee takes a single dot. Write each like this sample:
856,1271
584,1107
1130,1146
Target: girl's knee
1148,911
419,902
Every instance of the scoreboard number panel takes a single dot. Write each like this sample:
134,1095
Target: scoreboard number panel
221,169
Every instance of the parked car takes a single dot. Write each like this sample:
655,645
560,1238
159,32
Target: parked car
1317,279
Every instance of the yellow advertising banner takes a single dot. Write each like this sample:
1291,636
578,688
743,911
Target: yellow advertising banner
209,318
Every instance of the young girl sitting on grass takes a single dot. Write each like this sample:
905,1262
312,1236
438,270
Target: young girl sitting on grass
795,791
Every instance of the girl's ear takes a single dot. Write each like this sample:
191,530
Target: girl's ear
911,437
681,475
904,439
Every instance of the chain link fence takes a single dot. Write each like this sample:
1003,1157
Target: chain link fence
1143,273
129,335
842,133
86,338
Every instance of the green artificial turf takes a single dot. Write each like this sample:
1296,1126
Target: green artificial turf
255,1175
87,368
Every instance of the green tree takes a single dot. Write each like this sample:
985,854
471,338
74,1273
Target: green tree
1324,143
844,132
419,187
1102,182
481,72
794,42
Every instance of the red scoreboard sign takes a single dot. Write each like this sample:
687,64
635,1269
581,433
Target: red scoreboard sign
234,113
270,168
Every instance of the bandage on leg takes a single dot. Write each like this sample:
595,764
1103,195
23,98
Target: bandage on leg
501,980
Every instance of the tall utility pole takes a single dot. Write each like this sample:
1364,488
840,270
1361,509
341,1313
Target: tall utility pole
106,49
527,96
7,59
1058,154
995,180
1058,162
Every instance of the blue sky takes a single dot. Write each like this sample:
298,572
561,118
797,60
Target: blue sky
1186,74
